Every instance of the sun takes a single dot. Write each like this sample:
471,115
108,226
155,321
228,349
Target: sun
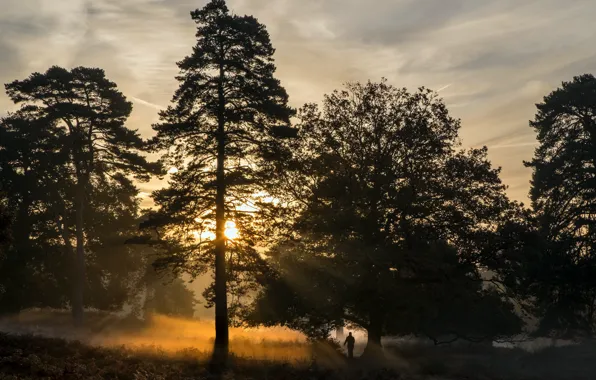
231,231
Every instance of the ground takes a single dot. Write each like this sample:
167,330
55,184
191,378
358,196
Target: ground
28,357
168,348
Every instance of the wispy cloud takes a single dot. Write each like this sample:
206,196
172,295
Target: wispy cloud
518,145
444,88
146,103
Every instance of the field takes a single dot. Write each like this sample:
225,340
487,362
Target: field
167,348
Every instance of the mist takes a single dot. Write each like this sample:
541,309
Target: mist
159,333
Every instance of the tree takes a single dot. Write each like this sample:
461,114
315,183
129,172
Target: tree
220,128
390,212
31,158
4,225
4,235
563,193
114,269
87,114
35,268
171,298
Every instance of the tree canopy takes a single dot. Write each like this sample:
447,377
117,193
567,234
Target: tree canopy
394,219
563,192
73,123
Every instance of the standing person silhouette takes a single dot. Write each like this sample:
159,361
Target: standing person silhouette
350,341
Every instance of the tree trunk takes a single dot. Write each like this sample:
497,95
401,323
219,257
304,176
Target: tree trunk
22,230
220,350
374,349
79,276
339,334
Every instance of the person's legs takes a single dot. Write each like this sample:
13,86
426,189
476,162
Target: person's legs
351,352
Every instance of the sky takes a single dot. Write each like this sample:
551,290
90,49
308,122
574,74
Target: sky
491,60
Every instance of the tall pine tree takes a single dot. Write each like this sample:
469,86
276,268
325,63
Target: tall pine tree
563,195
223,122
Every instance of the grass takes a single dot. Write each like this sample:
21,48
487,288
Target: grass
169,348
31,357
159,333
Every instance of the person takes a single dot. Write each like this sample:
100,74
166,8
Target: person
350,341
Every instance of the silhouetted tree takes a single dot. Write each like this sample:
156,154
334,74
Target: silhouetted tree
390,215
87,114
225,113
31,162
563,196
36,267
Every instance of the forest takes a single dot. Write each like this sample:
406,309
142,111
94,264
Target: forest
361,210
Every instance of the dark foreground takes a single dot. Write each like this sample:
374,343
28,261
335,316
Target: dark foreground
30,357
27,357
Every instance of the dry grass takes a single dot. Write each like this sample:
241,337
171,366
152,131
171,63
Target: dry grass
161,334
168,348
29,357
174,335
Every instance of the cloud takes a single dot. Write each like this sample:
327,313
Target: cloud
518,145
444,87
502,56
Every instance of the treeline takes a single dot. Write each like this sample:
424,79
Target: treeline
67,161
361,211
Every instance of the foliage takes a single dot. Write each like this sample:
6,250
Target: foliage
394,220
563,196
35,268
66,164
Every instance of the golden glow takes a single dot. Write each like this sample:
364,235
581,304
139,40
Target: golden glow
231,230
203,236
173,171
172,337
